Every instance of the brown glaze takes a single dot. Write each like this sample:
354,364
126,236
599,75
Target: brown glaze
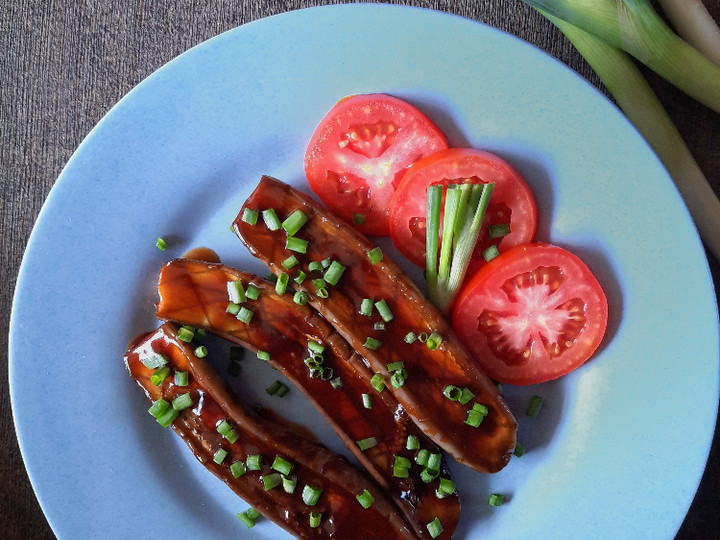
195,293
314,464
486,448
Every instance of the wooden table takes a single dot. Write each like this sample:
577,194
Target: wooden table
64,64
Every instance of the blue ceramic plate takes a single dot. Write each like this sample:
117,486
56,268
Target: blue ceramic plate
621,443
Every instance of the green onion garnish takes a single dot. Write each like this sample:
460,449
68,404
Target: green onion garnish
186,334
236,291
182,402
534,406
445,487
315,266
377,382
410,337
252,513
435,528
366,307
311,494
367,401
245,315
475,416
365,444
277,389
294,222
336,382
372,343
498,230
427,475
400,472
452,392
315,347
159,375
379,326
465,396
155,361
250,216
161,244
245,519
394,366
263,355
289,483
433,341
252,292
237,468
300,277
166,418
181,378
271,220
319,283
271,481
334,273
496,499
359,219
490,253
365,499
226,430
315,518
375,255
201,351
300,298
159,407
326,262
398,378
232,308
422,457
413,443
434,461
220,456
422,338
296,244
519,450
281,283
384,310
288,263
253,462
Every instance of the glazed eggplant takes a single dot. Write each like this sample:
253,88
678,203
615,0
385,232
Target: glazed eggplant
445,393
292,480
297,341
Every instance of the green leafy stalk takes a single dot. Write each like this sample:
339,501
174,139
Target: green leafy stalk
640,104
633,26
691,20
434,202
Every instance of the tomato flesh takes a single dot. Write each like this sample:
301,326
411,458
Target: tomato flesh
359,153
532,314
512,202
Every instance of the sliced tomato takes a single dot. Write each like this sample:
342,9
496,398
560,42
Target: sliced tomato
512,202
360,151
532,314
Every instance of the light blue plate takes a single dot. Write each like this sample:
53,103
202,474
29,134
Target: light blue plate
620,445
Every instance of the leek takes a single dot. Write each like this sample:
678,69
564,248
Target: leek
640,104
695,25
633,26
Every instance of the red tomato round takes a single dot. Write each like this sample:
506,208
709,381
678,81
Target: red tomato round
532,314
511,203
360,151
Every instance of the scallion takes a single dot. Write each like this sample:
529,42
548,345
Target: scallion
311,495
236,291
271,219
289,483
220,456
315,518
372,343
375,255
367,401
384,310
254,462
435,528
155,361
410,337
498,230
366,307
294,222
534,406
413,443
271,481
281,283
161,244
186,333
237,468
201,351
334,273
245,315
365,499
159,375
252,292
182,401
378,382
250,216
300,298
288,263
365,444
296,244
181,378
496,499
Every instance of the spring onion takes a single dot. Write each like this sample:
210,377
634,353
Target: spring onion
367,401
336,383
201,351
498,230
377,382
445,487
271,219
220,456
186,333
277,388
379,326
315,266
250,216
372,343
236,291
384,310
427,475
182,401
159,407
422,457
496,499
398,378
291,261
289,484
237,468
159,375
252,292
155,361
315,518
534,406
433,341
394,366
263,355
334,272
465,396
271,481
294,222
245,315
365,499
300,277
691,20
365,444
366,307
161,244
452,392
300,298
253,462
181,378
490,252
296,244
233,308
435,528
413,443
448,256
519,450
245,519
311,495
375,255
281,283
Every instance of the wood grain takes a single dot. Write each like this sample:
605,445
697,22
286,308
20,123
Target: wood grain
65,64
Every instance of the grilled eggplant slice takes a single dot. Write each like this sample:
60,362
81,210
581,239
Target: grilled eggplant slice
473,424
306,349
226,436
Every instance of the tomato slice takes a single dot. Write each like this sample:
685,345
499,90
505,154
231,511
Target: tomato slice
532,314
511,203
360,151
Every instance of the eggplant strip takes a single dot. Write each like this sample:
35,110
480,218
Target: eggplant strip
486,447
342,516
195,293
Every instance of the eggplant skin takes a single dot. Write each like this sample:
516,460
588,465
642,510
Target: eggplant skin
313,464
485,448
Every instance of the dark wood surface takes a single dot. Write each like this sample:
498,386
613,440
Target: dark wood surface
63,66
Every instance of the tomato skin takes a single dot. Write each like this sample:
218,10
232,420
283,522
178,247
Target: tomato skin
361,149
512,201
537,299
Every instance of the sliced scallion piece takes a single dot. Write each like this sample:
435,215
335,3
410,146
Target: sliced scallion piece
182,401
220,456
445,487
498,230
263,355
300,277
253,462
375,255
315,518
186,333
288,263
236,291
315,266
271,481
289,483
159,375
201,351
413,443
534,406
365,444
250,216
365,499
435,528
159,407
372,343
233,308
496,499
181,378
281,283
245,315
161,244
452,392
490,252
271,219
300,298
433,341
296,244
334,273
311,495
237,468
378,382
422,457
384,310
398,378
245,519
252,292
367,401
366,307
294,222
410,337
155,361
519,450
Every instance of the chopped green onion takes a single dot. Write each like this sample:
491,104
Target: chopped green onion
311,494
366,307
367,401
427,475
288,263
201,351
315,518
289,483
271,481
323,293
534,406
300,298
410,337
315,347
236,291
496,499
422,457
498,230
365,499
271,220
365,444
398,378
182,402
384,310
294,222
359,219
281,283
465,396
155,361
277,389
394,366
375,255
245,315
434,461
400,472
220,456
245,519
490,253
334,273
166,418
296,244
377,382
159,375
161,244
186,334
435,528
372,343
250,216
159,407
319,283
445,487
379,326
326,262
237,468
252,292
252,513
519,450
232,308
433,341
181,378
413,443
336,382
474,418
253,462
315,266
452,392
422,338
300,277
227,431
401,461
263,355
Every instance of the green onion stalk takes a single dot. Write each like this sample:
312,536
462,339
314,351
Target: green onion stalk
694,24
634,96
633,26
